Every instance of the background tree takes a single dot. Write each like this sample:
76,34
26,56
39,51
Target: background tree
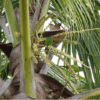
79,21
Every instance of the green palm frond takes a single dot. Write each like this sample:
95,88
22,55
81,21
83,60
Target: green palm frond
55,51
81,15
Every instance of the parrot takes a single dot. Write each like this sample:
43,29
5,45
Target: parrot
77,68
48,42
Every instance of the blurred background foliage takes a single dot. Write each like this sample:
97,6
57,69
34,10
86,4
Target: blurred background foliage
76,15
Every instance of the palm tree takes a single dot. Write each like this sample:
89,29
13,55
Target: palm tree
29,66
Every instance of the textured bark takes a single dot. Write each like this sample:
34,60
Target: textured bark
14,65
42,81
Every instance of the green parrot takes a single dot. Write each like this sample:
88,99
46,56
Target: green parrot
77,68
48,42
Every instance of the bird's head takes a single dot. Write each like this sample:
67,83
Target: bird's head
51,37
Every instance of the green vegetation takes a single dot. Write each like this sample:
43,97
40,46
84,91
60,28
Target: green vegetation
80,39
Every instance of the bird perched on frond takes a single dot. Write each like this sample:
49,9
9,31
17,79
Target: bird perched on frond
48,42
77,68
